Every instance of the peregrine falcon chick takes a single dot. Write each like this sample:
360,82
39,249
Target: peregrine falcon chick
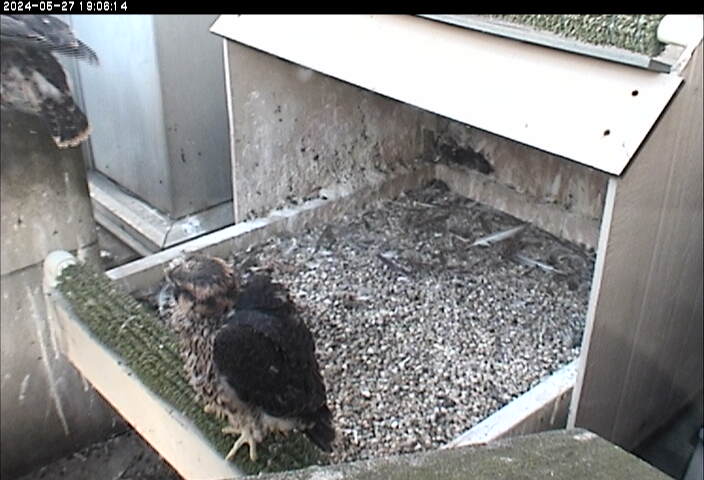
253,364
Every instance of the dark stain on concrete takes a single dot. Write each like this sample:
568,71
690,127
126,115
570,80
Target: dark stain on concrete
467,157
441,149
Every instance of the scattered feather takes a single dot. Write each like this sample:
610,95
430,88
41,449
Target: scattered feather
529,262
496,237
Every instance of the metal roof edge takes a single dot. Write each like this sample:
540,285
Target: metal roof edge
548,39
591,111
680,34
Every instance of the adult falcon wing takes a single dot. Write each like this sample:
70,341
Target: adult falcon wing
34,82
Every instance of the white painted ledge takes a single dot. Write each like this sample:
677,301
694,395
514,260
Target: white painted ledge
574,106
543,407
172,434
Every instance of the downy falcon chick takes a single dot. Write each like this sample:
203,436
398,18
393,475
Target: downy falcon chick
32,79
248,354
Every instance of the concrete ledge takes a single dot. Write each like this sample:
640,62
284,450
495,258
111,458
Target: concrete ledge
142,227
560,454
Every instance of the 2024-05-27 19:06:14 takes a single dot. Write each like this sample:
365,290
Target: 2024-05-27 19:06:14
65,6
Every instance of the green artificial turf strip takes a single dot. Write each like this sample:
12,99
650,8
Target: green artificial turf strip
148,348
637,33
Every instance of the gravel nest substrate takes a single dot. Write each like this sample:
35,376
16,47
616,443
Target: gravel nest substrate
420,334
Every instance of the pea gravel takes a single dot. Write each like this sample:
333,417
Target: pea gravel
419,334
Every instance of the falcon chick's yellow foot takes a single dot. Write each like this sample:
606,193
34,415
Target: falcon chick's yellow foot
246,437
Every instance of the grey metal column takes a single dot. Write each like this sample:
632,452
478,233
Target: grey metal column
159,146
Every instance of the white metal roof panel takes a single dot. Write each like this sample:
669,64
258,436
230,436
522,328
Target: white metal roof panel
591,111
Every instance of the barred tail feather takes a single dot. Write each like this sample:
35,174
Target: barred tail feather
78,50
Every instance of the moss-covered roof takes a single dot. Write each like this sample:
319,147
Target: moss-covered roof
150,350
637,33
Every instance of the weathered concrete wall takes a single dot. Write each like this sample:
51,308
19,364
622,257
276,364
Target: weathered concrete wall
541,176
560,196
297,131
47,410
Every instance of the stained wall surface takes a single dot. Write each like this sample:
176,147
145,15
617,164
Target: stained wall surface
47,410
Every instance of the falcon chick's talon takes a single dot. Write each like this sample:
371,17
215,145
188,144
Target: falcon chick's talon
245,438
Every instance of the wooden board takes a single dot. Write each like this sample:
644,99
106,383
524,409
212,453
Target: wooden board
161,425
551,217
543,407
574,106
147,271
642,355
